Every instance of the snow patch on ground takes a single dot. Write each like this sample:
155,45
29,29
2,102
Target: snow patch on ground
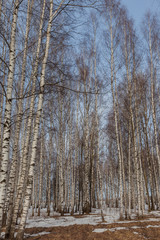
36,234
154,226
135,227
132,221
100,230
111,215
63,221
135,232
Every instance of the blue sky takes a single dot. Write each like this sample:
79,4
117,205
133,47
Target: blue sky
137,8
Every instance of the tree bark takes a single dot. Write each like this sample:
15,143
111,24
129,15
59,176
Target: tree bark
7,117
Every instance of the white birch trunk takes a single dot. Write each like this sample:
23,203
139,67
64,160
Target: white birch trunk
41,169
72,169
60,157
33,197
129,171
86,203
49,175
36,173
77,151
2,102
7,117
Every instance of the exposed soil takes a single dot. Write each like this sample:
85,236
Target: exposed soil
85,232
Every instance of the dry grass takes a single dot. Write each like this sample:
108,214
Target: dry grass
85,232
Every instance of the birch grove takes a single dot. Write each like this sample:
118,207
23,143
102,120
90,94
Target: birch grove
79,111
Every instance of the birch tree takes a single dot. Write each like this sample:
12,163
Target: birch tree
7,117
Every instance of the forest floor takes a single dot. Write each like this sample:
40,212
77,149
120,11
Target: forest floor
91,227
90,232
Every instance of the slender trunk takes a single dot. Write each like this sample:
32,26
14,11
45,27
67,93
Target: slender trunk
0,8
60,157
155,170
152,98
57,175
41,169
122,157
49,174
33,197
139,168
99,176
76,153
149,167
36,174
129,171
136,153
86,204
72,169
2,99
116,118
